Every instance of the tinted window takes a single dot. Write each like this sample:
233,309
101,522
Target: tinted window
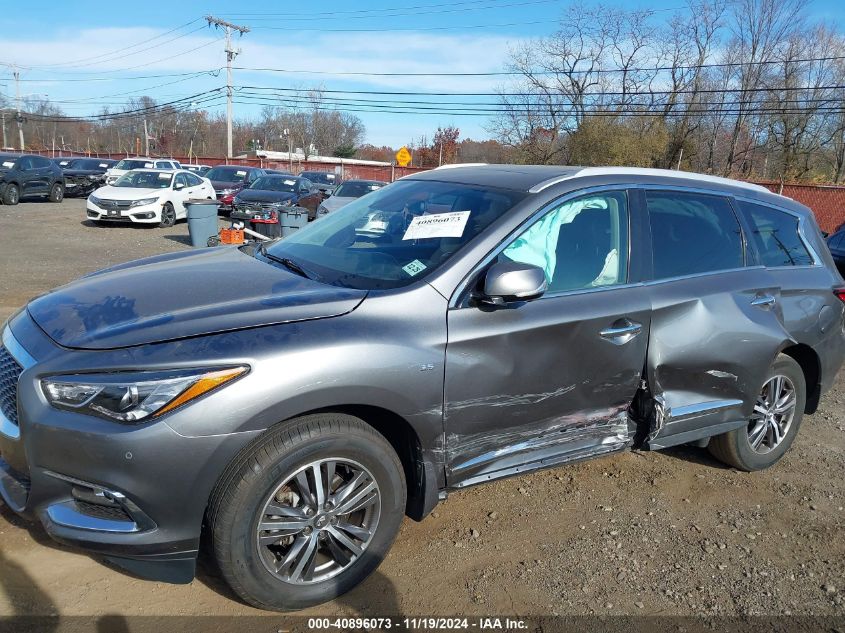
227,173
181,179
835,240
193,180
775,234
580,244
25,163
692,233
40,162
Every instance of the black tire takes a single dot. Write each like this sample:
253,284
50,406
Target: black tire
734,447
168,216
57,192
237,504
11,195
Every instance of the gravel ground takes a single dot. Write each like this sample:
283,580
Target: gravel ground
669,533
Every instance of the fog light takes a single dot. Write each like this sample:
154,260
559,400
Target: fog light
144,216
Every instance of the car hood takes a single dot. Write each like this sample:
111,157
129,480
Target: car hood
127,193
180,295
334,203
262,195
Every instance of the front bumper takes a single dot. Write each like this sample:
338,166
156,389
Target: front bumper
134,494
147,214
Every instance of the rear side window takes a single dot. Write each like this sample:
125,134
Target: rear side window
41,162
775,234
692,233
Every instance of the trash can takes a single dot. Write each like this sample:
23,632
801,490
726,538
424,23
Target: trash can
293,220
202,220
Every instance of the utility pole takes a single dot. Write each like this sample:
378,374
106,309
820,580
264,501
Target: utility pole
19,117
230,55
3,115
146,139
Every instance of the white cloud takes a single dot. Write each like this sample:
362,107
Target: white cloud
89,53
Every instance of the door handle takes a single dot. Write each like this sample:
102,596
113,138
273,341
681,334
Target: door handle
764,301
621,332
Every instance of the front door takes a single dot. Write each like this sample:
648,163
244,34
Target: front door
550,380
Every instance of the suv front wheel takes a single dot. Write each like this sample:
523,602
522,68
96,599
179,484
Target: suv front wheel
774,422
308,512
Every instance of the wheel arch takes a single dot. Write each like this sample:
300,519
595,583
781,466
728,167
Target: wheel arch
420,470
810,364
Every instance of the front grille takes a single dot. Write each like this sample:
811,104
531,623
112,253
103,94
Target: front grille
10,372
111,513
115,204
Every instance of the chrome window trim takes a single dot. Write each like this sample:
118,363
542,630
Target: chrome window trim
570,195
654,282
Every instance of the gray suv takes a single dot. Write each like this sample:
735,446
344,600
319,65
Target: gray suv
287,405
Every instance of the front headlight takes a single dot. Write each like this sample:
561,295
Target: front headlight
131,398
144,202
94,200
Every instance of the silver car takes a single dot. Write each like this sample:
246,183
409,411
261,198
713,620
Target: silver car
293,402
347,192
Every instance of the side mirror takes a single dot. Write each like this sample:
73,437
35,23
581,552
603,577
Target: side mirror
178,186
509,282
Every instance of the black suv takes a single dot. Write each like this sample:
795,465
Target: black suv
26,175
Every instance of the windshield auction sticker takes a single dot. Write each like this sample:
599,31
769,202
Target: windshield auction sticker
437,225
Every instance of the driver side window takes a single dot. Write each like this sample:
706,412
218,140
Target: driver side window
181,180
579,244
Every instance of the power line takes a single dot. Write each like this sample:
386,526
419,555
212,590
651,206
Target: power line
359,11
403,11
402,29
212,71
125,48
537,72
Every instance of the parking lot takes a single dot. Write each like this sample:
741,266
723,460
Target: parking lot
671,533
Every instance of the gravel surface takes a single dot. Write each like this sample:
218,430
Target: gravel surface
670,533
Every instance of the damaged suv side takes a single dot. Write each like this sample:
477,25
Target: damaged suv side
452,328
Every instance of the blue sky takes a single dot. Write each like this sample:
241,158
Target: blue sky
73,57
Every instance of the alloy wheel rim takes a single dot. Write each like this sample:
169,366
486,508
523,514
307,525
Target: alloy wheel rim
318,521
169,216
13,195
773,414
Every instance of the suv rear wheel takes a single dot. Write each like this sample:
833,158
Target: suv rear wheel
308,512
774,423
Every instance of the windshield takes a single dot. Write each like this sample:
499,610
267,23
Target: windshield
396,235
354,189
321,177
144,180
131,163
87,163
226,174
275,183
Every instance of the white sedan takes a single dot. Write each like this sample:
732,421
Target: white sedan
148,196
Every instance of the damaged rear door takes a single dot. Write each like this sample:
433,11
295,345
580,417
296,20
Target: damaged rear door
546,381
716,322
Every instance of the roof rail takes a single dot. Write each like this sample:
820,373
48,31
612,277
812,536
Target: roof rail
644,171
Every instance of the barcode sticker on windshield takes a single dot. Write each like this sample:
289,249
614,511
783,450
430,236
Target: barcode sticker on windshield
437,225
240,173
414,268
148,165
290,183
164,176
104,164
